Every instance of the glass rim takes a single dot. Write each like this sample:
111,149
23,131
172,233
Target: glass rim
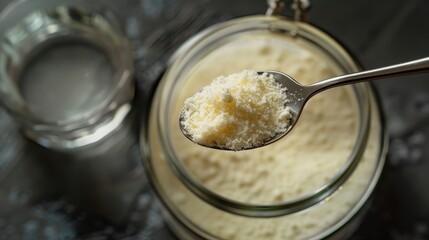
247,24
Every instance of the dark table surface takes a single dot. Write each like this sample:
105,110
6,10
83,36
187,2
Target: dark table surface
102,193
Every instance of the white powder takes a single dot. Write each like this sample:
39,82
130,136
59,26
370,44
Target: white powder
239,111
300,163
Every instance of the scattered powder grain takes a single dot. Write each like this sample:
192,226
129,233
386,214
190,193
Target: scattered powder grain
239,111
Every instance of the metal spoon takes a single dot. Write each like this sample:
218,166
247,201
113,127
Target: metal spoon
298,94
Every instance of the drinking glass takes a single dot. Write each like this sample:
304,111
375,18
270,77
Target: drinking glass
65,70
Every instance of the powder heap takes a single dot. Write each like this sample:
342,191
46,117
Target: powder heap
239,111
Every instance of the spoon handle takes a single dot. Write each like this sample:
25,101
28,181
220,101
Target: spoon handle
411,67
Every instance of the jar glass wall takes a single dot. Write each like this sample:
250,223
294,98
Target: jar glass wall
314,181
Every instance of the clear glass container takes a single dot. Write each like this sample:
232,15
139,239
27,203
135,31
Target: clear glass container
315,183
65,70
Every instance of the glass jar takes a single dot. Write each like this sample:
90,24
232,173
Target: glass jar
315,183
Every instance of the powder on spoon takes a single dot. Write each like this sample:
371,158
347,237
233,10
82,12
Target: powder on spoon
235,112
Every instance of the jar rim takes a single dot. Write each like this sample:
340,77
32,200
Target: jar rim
303,30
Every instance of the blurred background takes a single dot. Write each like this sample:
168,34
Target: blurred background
102,193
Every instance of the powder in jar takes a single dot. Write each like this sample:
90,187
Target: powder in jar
238,111
302,162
